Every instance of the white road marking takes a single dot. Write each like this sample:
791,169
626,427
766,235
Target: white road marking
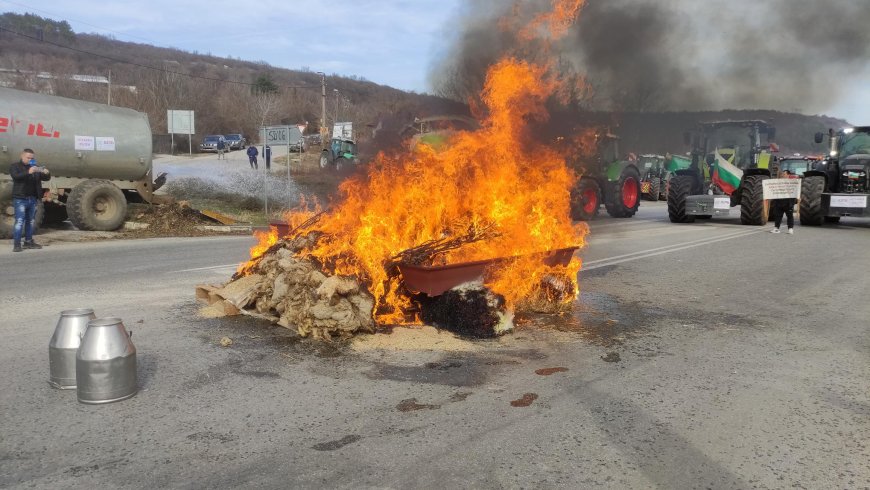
618,259
213,267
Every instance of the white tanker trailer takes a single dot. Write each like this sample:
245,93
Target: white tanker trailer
99,157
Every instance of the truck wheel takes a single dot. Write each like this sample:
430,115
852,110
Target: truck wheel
7,218
624,197
585,200
655,188
97,205
753,208
812,188
679,188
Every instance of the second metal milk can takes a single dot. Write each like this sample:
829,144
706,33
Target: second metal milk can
63,346
106,363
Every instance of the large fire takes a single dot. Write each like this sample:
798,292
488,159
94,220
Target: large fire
499,180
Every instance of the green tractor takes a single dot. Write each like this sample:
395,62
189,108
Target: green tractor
729,165
606,179
340,152
652,168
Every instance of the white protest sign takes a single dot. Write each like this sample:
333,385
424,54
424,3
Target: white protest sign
105,143
848,201
84,143
782,188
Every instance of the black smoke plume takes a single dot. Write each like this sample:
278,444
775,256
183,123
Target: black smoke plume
659,55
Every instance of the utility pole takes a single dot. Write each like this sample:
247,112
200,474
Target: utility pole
337,95
322,108
109,92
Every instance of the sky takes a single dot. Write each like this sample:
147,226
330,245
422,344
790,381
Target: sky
390,42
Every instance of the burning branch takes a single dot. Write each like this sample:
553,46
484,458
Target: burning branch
426,252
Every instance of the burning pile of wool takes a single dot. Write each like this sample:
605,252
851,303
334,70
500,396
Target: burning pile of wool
286,288
499,194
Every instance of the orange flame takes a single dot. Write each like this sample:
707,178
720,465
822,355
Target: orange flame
499,177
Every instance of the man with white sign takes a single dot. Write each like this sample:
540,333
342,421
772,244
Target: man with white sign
783,194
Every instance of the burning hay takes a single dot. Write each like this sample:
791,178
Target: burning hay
497,197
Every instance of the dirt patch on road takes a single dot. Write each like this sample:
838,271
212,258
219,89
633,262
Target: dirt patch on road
177,219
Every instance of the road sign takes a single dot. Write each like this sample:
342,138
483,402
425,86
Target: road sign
180,122
280,135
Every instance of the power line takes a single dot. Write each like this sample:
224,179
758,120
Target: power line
155,68
79,22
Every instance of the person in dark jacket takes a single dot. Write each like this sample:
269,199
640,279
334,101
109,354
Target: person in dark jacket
221,146
27,180
783,206
252,156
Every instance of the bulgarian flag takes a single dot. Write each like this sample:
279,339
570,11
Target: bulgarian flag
726,175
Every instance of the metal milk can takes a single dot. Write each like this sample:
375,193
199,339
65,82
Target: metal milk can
106,363
63,346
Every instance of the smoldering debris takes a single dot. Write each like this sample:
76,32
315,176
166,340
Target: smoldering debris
469,309
655,55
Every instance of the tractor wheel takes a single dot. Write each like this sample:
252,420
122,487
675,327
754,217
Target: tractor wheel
7,217
663,193
624,197
812,188
655,188
832,219
585,200
341,162
97,205
753,208
679,188
324,159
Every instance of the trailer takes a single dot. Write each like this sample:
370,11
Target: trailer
99,157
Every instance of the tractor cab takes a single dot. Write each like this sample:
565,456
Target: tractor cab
738,143
651,166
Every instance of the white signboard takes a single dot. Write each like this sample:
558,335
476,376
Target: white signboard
180,122
343,130
721,203
848,201
280,135
782,188
84,143
105,143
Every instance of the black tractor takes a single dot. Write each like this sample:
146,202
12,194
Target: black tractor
838,185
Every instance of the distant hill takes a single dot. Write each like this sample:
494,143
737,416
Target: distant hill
231,95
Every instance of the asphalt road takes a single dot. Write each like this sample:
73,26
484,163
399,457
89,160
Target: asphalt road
743,362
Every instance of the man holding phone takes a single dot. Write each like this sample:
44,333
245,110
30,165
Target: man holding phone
27,178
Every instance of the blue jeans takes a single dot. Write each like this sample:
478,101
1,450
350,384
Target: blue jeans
25,218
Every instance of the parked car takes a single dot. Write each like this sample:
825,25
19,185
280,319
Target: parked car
209,143
236,141
313,139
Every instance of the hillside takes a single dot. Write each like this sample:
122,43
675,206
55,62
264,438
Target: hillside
227,95
230,95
